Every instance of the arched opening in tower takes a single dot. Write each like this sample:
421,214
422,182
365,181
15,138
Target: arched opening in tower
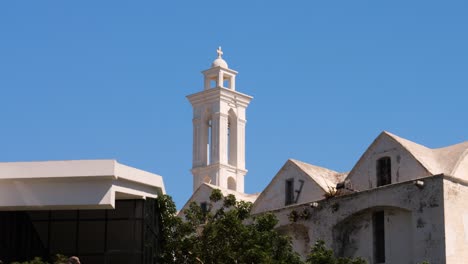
232,138
232,185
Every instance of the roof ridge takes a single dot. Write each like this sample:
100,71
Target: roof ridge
424,155
460,159
404,140
435,160
463,143
299,162
324,177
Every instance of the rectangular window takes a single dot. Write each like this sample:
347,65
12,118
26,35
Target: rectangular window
289,192
378,220
204,207
384,171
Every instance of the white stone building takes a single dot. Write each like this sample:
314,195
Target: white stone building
401,202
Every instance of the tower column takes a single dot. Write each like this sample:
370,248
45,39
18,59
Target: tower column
240,144
220,80
232,83
223,138
197,142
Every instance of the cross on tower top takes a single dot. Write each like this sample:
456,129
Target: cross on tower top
220,52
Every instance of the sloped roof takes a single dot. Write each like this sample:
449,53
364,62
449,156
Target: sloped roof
239,195
449,158
436,161
208,188
324,177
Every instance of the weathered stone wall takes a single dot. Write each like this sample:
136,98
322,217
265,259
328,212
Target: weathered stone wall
456,221
414,222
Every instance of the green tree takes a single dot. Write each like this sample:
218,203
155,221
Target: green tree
228,234
58,259
319,254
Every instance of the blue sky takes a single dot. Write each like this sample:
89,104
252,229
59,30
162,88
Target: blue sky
108,79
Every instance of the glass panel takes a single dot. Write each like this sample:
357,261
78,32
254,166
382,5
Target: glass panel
64,215
42,230
123,209
124,258
91,237
63,237
138,232
86,239
38,215
139,208
92,259
120,235
93,214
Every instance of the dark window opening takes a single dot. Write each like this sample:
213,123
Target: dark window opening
209,144
228,145
384,171
204,207
289,193
378,220
232,136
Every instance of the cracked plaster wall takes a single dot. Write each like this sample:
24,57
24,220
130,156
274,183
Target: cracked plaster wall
456,222
414,221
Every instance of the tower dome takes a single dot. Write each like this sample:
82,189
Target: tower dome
219,62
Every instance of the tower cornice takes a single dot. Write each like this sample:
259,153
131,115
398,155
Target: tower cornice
219,94
218,69
203,169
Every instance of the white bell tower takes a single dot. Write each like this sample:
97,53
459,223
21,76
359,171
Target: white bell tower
219,129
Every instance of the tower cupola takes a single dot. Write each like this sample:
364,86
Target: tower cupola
219,75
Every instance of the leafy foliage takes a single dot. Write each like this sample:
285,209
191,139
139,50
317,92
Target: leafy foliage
321,255
227,234
58,259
